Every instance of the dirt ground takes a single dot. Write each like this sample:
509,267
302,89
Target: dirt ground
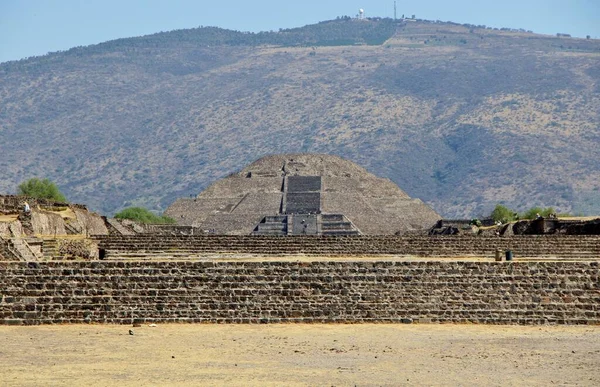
341,355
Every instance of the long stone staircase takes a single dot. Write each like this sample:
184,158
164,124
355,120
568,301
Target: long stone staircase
302,195
193,247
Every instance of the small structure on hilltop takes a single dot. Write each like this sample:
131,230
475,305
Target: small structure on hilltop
303,194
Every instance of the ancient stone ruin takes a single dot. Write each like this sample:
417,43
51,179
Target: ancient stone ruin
317,241
303,194
48,230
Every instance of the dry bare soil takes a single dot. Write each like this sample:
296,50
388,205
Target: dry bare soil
300,355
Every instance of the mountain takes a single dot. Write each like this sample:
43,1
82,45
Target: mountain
461,116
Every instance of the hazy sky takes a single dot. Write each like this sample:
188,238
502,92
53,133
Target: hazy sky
35,27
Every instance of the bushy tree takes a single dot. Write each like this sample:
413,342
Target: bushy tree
143,215
503,214
41,189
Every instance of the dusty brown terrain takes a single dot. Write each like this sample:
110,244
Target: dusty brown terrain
300,355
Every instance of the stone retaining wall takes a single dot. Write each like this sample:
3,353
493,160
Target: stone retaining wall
140,246
124,292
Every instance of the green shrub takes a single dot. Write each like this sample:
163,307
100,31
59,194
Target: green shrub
142,215
41,189
503,214
475,222
534,211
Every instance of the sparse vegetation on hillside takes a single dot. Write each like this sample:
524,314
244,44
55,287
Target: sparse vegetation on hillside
41,189
344,31
143,215
329,33
340,32
474,117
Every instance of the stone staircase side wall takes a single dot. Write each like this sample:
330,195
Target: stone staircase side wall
7,252
117,226
89,223
21,250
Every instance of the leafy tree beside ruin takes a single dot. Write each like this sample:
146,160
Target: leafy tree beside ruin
41,189
143,215
503,214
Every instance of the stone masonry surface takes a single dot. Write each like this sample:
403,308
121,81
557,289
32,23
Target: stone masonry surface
125,292
166,247
303,183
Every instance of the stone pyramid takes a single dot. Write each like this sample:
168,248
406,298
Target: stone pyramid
324,188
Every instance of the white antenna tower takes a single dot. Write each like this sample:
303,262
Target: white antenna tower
361,14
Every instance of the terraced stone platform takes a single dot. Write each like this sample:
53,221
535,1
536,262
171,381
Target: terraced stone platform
263,279
125,292
193,247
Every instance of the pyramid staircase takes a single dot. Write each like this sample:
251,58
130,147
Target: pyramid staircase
300,212
337,224
50,248
272,225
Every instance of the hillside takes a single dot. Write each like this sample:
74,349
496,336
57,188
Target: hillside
462,117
